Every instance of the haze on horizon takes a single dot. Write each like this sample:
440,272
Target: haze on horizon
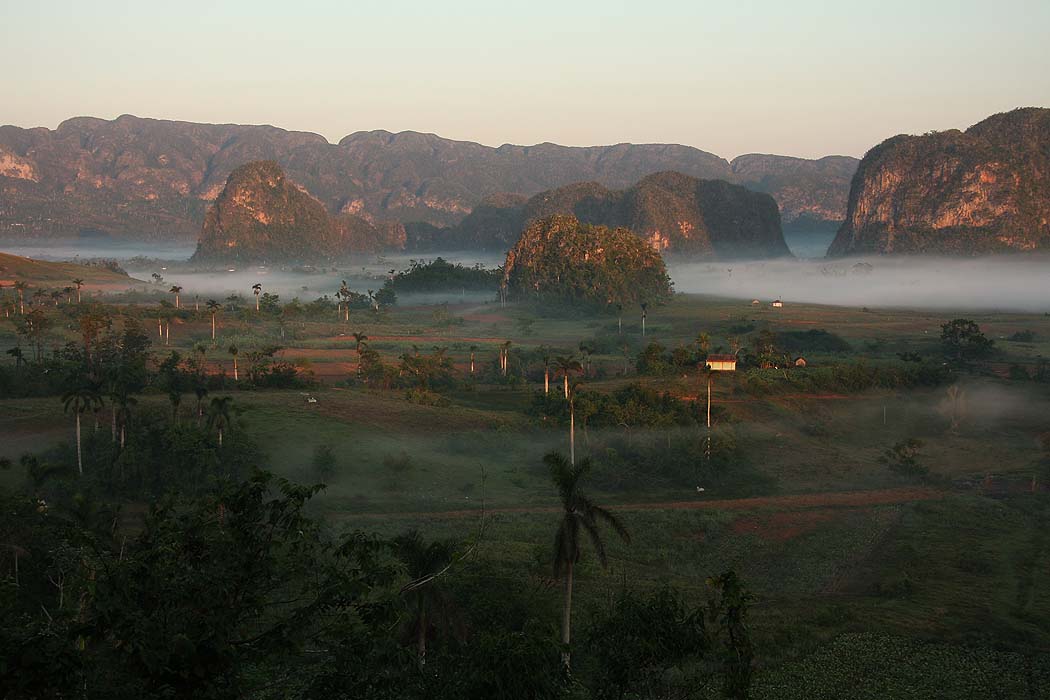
804,79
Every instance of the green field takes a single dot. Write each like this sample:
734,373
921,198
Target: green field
850,562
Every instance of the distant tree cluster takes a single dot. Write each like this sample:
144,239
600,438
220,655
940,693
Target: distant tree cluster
439,275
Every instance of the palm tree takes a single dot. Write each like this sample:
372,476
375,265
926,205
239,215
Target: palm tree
705,369
545,354
233,351
202,355
344,295
123,403
20,289
176,290
586,349
213,307
79,400
703,342
473,349
645,308
175,396
202,392
219,414
564,365
256,290
359,339
68,292
579,513
572,421
19,356
78,283
424,563
504,354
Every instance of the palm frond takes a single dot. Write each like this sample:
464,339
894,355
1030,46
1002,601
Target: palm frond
596,540
612,521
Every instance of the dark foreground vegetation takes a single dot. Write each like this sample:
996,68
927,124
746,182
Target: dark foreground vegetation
235,590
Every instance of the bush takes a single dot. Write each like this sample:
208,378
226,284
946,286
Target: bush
903,459
324,462
844,377
813,340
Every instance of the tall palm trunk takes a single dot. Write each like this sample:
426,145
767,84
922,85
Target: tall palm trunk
572,434
421,633
236,377
566,378
80,456
566,615
546,381
220,437
709,401
213,326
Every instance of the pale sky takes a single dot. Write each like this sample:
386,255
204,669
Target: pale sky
795,77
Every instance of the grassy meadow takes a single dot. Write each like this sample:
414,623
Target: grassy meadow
850,562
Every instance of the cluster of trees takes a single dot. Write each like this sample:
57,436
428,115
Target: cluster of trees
844,377
439,275
964,341
634,406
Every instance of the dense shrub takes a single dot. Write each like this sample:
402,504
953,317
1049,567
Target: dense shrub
843,377
813,340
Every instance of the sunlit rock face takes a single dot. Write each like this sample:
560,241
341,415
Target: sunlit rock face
262,216
983,190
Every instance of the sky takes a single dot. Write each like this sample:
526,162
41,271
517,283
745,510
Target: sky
792,77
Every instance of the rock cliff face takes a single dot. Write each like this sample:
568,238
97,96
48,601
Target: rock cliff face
261,216
675,214
983,190
146,178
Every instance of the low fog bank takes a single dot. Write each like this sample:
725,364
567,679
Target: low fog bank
306,282
76,250
1007,283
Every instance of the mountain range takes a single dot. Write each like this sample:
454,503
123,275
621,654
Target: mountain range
676,214
145,179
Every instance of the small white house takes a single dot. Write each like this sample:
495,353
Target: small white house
778,304
722,363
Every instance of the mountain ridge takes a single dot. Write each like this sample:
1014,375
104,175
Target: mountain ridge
674,213
138,177
982,190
